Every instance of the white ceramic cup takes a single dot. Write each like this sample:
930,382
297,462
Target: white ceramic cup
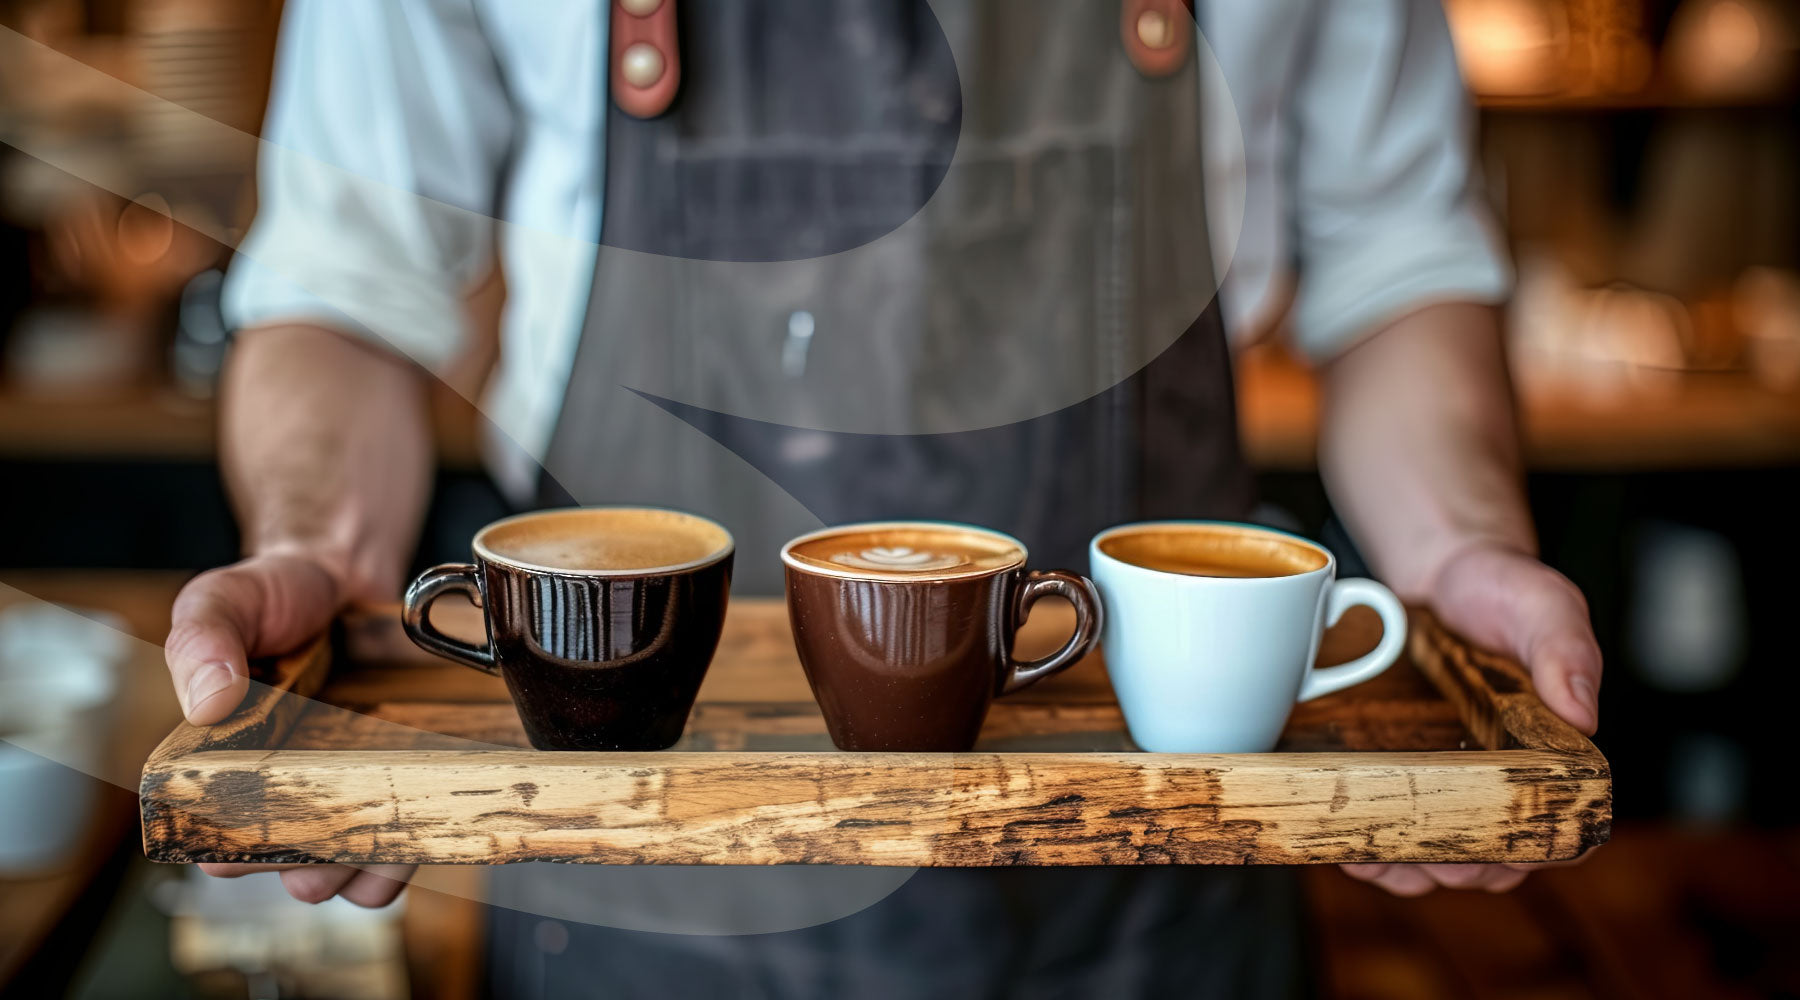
1214,664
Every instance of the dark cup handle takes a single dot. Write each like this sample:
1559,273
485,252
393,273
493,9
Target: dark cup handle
430,585
1079,591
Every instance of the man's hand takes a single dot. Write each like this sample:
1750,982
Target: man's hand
1509,602
1419,447
262,606
326,447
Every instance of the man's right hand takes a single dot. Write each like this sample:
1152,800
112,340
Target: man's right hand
262,606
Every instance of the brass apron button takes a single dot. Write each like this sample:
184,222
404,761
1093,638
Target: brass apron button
1157,34
645,63
642,65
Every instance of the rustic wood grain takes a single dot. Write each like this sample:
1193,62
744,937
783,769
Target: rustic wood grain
278,696
492,807
1494,695
409,760
279,689
1373,725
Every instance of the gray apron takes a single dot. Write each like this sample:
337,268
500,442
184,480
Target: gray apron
885,259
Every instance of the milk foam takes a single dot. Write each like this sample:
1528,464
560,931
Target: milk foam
604,539
905,551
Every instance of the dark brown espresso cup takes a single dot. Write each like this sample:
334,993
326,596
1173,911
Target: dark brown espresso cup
905,628
601,620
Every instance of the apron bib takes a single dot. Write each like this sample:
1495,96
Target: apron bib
890,259
876,263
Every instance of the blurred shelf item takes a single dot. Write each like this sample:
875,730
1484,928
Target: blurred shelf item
1526,49
32,906
1765,306
1732,49
1696,420
1596,55
152,424
1516,47
248,936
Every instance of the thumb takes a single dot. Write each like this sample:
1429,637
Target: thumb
222,618
1549,631
1564,660
209,635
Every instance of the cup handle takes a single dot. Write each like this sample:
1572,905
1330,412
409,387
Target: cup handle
1346,594
431,585
1079,591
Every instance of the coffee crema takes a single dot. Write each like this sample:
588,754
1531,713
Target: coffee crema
604,540
904,551
1226,551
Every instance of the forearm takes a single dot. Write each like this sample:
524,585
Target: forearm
1419,445
327,452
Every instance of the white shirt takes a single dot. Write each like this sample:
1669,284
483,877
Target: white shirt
407,139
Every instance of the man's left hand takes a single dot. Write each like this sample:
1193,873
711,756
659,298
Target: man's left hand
1509,602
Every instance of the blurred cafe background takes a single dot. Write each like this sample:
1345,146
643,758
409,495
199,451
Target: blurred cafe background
1644,157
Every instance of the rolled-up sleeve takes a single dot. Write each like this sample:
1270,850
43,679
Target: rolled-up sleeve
1389,213
378,175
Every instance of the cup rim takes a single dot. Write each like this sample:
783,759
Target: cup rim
788,560
1095,555
487,555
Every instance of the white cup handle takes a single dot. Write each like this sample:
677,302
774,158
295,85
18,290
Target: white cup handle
1346,594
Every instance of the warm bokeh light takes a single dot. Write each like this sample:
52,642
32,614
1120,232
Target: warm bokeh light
1509,47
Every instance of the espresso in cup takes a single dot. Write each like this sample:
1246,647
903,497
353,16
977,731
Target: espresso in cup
601,620
1226,552
905,629
1212,628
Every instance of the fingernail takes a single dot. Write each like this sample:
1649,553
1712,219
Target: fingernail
207,681
1583,690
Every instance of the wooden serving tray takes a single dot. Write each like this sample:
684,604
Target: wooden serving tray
363,750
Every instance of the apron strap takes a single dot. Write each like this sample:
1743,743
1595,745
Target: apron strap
645,56
646,50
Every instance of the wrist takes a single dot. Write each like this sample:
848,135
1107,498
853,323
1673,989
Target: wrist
1421,577
352,572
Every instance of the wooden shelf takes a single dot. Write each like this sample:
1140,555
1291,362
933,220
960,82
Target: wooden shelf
1645,100
1698,421
156,424
131,424
1726,420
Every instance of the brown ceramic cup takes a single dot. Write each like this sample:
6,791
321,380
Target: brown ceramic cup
905,628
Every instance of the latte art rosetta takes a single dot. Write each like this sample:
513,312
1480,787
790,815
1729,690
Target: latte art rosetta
904,551
902,558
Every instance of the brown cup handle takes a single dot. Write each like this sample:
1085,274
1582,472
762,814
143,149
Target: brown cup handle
430,585
1079,591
